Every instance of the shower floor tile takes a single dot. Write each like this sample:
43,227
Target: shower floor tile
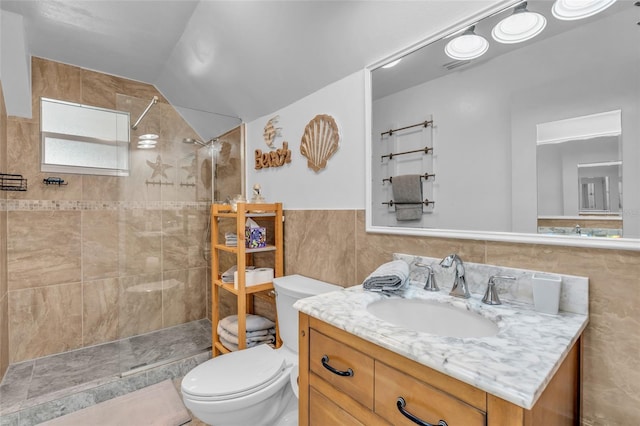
36,381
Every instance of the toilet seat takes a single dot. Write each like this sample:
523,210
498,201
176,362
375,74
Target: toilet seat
234,375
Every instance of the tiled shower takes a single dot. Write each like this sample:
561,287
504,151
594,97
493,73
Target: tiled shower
101,258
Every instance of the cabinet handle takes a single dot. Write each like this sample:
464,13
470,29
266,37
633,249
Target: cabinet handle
400,403
325,364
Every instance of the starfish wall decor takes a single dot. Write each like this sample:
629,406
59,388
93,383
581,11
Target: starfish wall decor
159,167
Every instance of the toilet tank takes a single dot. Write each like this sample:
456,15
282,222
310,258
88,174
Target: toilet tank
288,290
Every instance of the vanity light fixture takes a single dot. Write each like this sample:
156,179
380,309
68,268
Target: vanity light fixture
467,46
521,25
571,10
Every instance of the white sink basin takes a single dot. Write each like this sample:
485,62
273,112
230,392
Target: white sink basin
432,317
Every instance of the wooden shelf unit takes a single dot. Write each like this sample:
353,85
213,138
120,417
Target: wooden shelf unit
260,213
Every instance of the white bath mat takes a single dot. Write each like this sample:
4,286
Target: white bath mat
156,405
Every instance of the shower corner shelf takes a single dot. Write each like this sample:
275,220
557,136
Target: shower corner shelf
269,212
9,182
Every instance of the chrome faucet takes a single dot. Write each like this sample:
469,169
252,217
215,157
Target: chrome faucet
460,288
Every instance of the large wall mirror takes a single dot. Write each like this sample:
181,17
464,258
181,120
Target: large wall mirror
533,141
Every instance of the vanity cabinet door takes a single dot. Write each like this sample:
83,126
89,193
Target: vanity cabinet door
323,411
345,368
421,400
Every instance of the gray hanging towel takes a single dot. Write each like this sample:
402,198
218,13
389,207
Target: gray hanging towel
407,189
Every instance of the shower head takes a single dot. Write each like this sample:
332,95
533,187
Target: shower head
192,141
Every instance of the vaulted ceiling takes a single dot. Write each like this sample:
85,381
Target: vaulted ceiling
239,59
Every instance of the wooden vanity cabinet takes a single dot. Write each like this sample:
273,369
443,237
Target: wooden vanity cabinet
367,381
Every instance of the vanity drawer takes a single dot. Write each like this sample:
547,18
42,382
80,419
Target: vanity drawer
422,400
342,358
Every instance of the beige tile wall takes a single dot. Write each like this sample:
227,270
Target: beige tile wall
4,318
333,246
104,257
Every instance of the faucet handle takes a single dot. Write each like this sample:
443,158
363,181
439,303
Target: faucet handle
430,282
491,295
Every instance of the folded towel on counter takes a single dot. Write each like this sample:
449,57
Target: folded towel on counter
254,323
407,189
390,276
232,338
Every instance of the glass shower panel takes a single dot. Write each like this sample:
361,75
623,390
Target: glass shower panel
162,219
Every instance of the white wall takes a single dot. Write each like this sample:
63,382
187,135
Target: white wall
340,185
15,65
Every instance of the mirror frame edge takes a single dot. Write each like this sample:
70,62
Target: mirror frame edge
632,244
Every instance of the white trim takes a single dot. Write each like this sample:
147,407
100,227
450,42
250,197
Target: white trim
580,128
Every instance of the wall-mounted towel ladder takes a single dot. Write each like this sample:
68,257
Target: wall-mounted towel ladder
411,177
426,202
426,150
425,123
425,176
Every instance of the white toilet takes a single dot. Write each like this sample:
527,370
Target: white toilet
256,386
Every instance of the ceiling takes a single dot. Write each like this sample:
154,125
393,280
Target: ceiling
231,59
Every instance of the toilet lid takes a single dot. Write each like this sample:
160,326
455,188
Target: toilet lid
235,374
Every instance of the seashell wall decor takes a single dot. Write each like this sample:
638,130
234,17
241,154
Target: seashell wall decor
320,141
271,131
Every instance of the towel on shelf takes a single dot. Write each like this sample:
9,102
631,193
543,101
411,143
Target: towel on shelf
390,276
232,338
249,334
233,347
227,276
407,189
230,239
254,323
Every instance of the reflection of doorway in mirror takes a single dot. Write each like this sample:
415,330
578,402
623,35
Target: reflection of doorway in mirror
600,185
574,149
594,194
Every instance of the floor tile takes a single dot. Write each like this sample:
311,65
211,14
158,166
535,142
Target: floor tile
85,371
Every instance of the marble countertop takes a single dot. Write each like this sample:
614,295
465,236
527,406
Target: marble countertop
516,364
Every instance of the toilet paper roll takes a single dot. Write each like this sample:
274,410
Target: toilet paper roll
254,277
